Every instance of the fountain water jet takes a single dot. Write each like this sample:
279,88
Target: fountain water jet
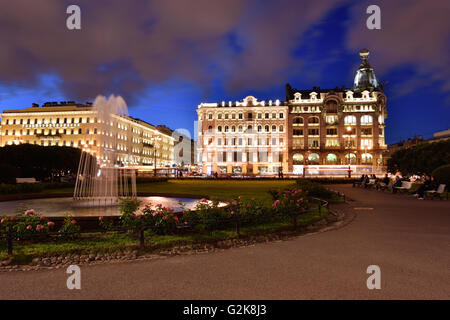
102,178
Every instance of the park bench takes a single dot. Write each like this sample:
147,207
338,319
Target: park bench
385,186
26,180
436,193
406,185
371,183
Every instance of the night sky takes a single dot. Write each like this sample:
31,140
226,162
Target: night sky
165,57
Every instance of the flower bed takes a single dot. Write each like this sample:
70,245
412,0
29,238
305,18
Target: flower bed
152,221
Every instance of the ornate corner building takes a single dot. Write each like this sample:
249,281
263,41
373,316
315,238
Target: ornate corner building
319,130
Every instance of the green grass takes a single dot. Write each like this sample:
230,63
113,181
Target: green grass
214,188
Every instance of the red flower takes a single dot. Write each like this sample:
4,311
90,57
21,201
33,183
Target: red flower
29,227
50,223
73,222
232,212
166,217
100,218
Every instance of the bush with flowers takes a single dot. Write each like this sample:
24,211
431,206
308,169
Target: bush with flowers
207,215
291,204
70,229
250,211
26,225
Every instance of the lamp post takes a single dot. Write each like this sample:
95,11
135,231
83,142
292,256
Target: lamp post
348,144
154,139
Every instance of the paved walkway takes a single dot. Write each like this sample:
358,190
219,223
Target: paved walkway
409,239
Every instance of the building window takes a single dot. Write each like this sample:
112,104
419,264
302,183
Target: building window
281,115
313,132
219,129
266,115
350,158
226,128
298,120
332,132
240,116
281,129
366,158
366,119
250,116
313,159
259,115
331,158
297,132
297,159
366,131
350,120
266,128
250,129
274,128
313,120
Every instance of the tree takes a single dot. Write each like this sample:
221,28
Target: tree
420,159
42,163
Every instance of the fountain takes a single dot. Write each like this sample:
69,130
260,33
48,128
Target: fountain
101,177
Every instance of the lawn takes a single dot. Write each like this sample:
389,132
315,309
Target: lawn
214,188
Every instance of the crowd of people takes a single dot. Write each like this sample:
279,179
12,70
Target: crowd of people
427,182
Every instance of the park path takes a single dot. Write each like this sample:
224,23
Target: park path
407,238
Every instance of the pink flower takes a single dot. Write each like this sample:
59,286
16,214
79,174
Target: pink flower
39,227
249,205
12,218
100,218
175,218
3,220
42,217
138,215
253,198
29,227
232,212
29,212
204,200
240,197
50,223
166,217
73,222
154,214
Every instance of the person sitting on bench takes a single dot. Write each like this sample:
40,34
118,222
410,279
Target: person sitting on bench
430,183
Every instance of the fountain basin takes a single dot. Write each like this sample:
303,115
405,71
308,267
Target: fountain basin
61,206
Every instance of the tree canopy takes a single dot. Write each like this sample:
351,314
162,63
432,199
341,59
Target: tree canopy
420,159
42,163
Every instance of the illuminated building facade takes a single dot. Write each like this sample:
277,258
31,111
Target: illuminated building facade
78,125
318,130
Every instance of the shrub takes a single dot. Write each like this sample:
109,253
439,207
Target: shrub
291,204
26,225
250,212
20,188
207,215
70,229
151,179
9,173
442,174
315,190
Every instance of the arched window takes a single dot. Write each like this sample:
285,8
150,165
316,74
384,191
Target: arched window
233,129
219,129
226,128
298,120
281,129
331,158
266,128
297,159
349,120
350,158
274,128
249,129
259,128
210,129
366,119
313,120
240,128
313,158
366,158
219,116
